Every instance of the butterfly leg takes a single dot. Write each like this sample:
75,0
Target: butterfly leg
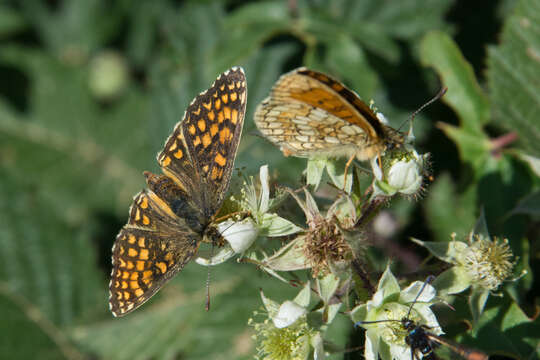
346,170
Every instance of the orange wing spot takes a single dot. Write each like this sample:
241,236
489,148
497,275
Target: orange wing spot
192,129
121,304
243,97
130,265
214,174
145,220
205,168
208,105
213,130
178,154
225,98
131,239
124,285
198,111
201,124
166,161
215,94
234,96
126,295
122,263
122,250
219,159
231,86
132,252
211,115
140,265
139,292
168,256
220,117
162,267
118,295
322,78
206,140
173,146
144,203
239,84
337,86
227,111
197,141
220,174
138,215
134,285
223,136
217,104
222,87
234,116
143,254
134,275
141,242
147,274
116,284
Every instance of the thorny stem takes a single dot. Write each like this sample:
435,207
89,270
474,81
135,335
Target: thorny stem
369,211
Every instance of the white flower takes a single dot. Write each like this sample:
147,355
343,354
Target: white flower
383,315
288,313
402,172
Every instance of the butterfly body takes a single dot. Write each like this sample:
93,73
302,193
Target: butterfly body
169,220
310,114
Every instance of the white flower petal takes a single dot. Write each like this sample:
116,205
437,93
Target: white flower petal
240,235
406,176
409,294
265,189
287,314
371,346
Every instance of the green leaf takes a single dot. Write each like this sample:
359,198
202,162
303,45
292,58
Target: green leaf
451,251
452,281
528,205
388,284
336,171
448,211
464,94
513,76
48,277
327,286
477,302
10,21
274,225
314,171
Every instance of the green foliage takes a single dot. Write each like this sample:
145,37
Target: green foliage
72,156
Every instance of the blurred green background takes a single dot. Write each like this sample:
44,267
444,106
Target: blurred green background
90,90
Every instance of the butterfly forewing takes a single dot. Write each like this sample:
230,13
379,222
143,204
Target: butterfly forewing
211,132
168,220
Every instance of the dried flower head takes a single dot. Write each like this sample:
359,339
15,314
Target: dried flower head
325,244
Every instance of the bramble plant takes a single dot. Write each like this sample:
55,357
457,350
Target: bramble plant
313,263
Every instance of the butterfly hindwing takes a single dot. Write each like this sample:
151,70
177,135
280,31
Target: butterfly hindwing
143,260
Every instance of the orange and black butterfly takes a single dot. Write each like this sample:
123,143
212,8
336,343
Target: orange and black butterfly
309,114
168,220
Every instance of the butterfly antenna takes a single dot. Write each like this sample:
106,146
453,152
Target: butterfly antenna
439,95
207,306
429,280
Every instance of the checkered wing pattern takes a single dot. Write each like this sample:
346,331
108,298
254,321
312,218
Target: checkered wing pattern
201,151
153,247
309,114
168,220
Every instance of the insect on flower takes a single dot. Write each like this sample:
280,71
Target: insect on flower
422,342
